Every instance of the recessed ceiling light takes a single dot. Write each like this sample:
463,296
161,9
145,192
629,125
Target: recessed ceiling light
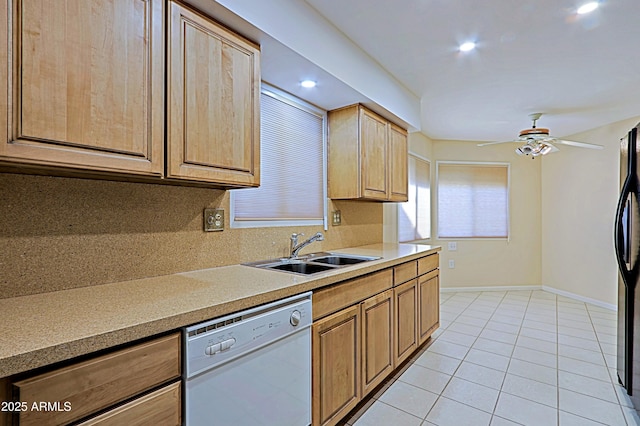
466,47
587,7
308,84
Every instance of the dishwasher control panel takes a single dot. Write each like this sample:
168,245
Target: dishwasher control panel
220,340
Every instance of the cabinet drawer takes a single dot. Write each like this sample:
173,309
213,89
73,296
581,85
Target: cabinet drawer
161,407
428,263
98,383
405,272
341,295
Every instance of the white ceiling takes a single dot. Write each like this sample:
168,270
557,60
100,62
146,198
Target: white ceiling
581,71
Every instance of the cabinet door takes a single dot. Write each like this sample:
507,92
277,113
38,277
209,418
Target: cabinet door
373,140
336,365
377,339
428,305
405,313
214,102
84,88
398,164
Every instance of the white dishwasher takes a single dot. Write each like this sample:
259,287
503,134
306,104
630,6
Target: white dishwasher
251,368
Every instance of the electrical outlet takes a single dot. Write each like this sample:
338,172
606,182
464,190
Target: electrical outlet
452,245
213,220
336,217
452,263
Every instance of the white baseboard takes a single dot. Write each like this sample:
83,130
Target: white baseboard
494,288
581,298
532,287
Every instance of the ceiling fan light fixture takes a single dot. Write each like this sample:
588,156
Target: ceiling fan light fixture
538,142
534,148
545,149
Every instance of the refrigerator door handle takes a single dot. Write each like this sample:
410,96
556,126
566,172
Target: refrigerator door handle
621,240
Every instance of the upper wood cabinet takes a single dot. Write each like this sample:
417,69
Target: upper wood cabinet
398,164
367,156
214,102
84,85
84,93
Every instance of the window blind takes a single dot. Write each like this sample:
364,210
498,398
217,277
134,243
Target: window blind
414,216
473,200
291,153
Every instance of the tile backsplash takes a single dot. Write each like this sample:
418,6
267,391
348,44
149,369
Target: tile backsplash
59,233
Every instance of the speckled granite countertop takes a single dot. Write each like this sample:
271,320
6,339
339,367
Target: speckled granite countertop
42,329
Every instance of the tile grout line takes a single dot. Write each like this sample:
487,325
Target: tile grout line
454,371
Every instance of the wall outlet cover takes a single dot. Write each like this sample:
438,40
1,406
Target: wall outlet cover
336,217
213,220
452,246
452,263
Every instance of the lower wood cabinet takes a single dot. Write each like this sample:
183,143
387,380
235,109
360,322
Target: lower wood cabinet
428,305
98,384
4,396
352,353
406,315
336,365
377,339
161,407
381,319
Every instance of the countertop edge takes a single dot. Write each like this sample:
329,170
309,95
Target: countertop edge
67,350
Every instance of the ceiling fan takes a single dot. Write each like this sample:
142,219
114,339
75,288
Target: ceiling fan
538,142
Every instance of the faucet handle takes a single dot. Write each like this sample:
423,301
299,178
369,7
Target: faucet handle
295,236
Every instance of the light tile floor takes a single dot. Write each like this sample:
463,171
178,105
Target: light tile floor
507,358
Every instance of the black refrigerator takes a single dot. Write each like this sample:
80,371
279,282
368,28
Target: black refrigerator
627,247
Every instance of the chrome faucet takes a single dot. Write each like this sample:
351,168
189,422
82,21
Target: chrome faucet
295,247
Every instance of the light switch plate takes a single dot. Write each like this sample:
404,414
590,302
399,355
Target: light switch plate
452,245
213,220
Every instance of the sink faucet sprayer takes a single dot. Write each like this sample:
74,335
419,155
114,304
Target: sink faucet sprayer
295,247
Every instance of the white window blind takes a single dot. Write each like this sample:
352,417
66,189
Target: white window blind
292,169
414,216
473,200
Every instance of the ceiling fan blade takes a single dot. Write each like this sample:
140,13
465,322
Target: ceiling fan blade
496,143
578,144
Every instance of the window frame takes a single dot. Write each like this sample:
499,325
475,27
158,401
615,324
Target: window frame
296,102
399,205
473,163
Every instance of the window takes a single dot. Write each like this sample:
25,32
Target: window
414,216
292,165
473,200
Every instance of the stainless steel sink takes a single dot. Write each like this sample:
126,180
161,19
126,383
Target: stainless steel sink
301,268
341,260
312,263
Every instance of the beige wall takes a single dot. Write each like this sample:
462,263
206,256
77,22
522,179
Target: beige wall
579,198
59,233
490,263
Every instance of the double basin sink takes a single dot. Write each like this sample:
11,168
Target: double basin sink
312,263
